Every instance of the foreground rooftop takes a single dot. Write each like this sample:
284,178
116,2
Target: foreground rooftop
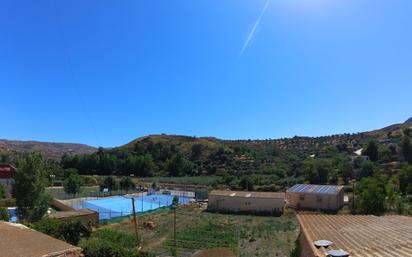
359,235
17,240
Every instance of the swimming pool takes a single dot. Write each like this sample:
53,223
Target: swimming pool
118,206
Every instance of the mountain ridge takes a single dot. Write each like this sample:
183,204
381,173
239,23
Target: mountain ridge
51,150
55,150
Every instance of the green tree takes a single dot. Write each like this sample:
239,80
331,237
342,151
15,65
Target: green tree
179,165
393,196
406,149
175,201
29,189
405,180
4,214
385,154
246,183
316,171
109,183
367,169
70,231
126,183
370,196
196,152
72,184
346,171
371,150
2,192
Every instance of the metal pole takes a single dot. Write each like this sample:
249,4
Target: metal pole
353,199
174,228
135,226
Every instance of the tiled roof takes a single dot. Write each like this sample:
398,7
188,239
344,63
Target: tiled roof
318,189
17,240
247,194
359,235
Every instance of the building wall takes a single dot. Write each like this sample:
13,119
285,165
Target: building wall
87,218
6,181
245,204
315,201
305,247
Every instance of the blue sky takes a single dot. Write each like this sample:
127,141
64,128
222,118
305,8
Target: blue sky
105,72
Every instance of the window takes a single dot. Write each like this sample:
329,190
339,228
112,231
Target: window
319,199
302,197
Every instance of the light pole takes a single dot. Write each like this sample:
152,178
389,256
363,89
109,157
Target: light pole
52,176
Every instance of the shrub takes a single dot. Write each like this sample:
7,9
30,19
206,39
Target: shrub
95,247
90,181
109,243
297,250
4,214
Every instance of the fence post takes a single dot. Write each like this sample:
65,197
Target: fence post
135,226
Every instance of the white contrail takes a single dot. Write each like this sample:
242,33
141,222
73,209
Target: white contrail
252,31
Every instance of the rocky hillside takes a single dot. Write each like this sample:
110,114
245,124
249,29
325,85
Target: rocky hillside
345,142
50,150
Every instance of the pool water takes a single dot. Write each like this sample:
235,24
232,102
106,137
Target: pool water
118,206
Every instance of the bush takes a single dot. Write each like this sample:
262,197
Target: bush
90,181
70,231
109,243
94,247
11,202
297,250
4,214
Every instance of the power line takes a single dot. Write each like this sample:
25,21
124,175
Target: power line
73,77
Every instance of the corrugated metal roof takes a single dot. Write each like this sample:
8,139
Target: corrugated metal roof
318,189
247,194
359,235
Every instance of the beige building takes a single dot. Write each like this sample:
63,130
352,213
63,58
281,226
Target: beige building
246,202
17,240
315,197
355,235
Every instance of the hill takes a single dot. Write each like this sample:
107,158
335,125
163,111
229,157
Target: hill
50,150
297,144
279,162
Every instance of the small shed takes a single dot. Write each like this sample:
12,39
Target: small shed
7,173
246,202
315,197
